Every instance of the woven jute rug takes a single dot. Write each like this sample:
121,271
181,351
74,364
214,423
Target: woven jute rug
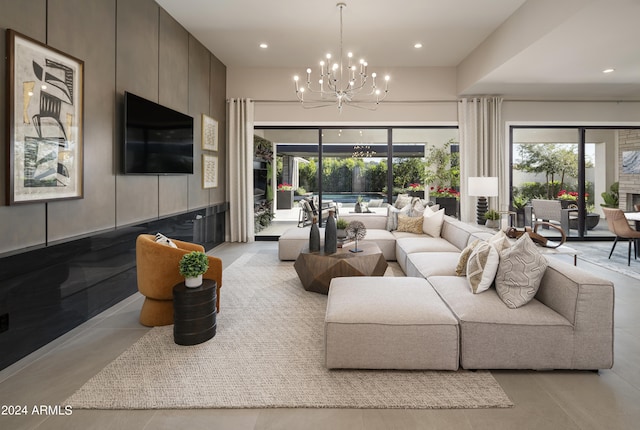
268,353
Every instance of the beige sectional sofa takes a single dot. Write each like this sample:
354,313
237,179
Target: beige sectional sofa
567,325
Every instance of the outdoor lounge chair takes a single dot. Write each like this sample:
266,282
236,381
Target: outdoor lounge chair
552,211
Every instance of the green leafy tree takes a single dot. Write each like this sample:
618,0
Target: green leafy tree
308,175
443,166
376,176
550,159
407,171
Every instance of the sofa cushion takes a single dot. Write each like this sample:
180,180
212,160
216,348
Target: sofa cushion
427,264
408,243
294,240
388,323
370,220
410,224
385,241
520,271
493,336
482,267
457,232
432,222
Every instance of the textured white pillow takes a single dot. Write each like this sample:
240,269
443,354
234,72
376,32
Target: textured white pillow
417,207
392,216
432,222
161,238
482,267
500,241
520,272
461,268
402,200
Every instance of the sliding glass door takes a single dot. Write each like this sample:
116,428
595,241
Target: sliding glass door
576,166
341,166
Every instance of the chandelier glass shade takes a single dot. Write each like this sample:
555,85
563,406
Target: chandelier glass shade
341,84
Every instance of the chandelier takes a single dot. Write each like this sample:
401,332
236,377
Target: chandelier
363,151
340,85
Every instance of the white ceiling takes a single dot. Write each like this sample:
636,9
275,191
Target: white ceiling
560,55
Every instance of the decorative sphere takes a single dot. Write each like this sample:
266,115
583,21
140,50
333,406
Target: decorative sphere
356,230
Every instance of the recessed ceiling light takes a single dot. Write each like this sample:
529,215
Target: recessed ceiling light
264,45
608,70
418,45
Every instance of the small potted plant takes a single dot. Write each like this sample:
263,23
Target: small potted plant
492,217
341,225
192,266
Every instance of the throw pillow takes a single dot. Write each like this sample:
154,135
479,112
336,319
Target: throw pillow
392,216
520,272
461,268
417,207
500,241
402,200
161,238
432,222
482,267
409,224
375,203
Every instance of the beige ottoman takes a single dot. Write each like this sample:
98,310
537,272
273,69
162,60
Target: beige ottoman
389,323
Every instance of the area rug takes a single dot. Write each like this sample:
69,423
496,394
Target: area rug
268,353
598,253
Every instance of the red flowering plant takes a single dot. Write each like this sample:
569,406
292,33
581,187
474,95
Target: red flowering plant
415,187
445,192
570,195
285,187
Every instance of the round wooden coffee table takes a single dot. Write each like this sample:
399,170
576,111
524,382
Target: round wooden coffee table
317,269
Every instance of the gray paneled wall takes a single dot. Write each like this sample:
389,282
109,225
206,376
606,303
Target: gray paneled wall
126,45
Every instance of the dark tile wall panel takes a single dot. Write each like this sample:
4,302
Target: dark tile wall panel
47,292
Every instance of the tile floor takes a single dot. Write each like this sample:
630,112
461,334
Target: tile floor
543,400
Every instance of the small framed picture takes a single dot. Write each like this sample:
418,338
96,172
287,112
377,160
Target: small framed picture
209,133
209,171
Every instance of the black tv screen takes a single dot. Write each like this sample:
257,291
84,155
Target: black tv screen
157,140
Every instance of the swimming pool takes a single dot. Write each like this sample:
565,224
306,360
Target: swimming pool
353,197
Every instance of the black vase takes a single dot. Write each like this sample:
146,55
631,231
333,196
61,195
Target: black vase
314,237
330,235
358,207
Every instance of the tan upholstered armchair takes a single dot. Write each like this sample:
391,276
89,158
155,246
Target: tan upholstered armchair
157,267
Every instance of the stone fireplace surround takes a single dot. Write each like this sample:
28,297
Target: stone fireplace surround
629,191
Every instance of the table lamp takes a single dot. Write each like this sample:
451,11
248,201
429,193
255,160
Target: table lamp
482,187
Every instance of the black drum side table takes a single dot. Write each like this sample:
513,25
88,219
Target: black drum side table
194,313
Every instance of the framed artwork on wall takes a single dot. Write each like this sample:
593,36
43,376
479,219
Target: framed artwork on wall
209,171
631,162
209,133
45,122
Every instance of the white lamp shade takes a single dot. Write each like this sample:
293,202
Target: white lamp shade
483,186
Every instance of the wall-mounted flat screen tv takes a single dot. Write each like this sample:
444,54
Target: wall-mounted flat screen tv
157,140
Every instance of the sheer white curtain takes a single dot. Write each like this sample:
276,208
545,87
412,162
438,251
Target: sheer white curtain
240,168
482,150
